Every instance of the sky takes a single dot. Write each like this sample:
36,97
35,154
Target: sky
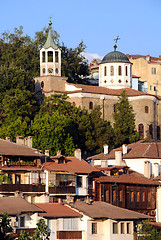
97,23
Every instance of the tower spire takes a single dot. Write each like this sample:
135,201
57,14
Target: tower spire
49,42
116,39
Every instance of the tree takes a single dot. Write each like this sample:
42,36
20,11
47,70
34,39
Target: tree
147,232
5,227
24,236
124,122
41,232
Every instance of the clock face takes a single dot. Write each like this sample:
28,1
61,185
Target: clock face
50,70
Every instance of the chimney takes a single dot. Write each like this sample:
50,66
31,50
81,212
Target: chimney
124,149
20,140
29,141
77,153
58,153
118,158
26,141
7,138
46,152
147,58
147,169
156,169
105,147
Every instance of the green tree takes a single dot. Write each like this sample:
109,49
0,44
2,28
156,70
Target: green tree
147,232
41,232
24,236
5,227
124,122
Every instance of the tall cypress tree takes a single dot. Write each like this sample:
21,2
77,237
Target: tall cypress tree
124,122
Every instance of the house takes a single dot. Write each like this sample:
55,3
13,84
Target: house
103,221
115,75
21,213
62,221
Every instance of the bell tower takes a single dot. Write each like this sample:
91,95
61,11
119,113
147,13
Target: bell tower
50,57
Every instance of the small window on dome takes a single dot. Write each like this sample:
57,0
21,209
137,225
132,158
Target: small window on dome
105,71
119,70
119,80
112,70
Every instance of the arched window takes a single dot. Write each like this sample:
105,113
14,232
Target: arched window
105,71
126,71
141,130
146,109
43,70
151,130
158,132
112,70
73,104
42,84
43,56
119,71
90,105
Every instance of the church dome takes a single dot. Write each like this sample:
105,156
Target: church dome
115,56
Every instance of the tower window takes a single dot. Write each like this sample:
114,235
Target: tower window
90,105
50,56
56,57
43,70
56,70
119,70
141,130
151,130
105,71
112,70
43,56
153,71
126,71
42,84
146,109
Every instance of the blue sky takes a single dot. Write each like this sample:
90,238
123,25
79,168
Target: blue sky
97,23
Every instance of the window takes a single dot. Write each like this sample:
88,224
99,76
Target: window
151,130
107,196
122,228
158,132
22,221
79,181
150,87
141,130
131,196
119,80
126,71
128,228
155,89
70,224
112,70
42,84
105,71
120,195
73,104
149,196
113,195
43,56
94,228
146,109
153,71
143,196
137,196
119,71
43,70
56,57
115,228
57,70
90,105
50,56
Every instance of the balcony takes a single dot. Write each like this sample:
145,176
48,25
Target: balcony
62,190
22,188
29,230
69,235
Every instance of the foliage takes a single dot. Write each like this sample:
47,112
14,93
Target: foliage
24,236
147,232
124,122
5,227
41,232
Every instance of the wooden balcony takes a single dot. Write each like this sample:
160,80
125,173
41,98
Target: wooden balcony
69,235
62,190
22,188
29,230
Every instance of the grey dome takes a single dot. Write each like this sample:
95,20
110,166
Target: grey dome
115,56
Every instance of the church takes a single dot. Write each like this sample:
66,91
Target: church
115,74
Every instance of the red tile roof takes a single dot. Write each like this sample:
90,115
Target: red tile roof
151,59
57,210
72,165
106,211
16,205
131,178
140,149
8,148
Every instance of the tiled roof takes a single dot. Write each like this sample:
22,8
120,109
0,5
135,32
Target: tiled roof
98,157
55,210
16,205
134,76
151,59
72,165
107,91
13,149
130,178
140,149
106,211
